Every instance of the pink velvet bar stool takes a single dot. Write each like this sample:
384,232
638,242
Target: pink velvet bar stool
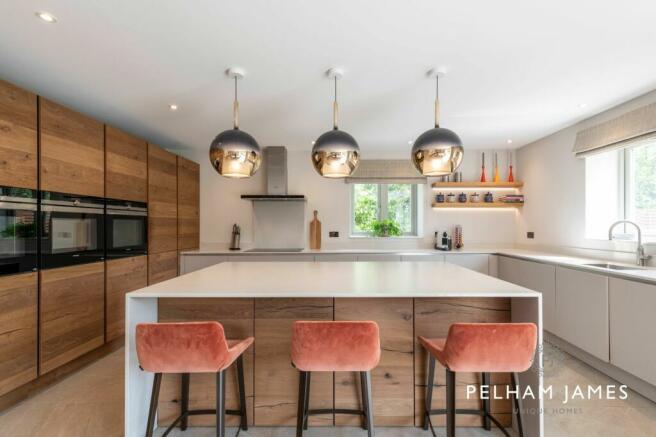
478,347
191,347
320,346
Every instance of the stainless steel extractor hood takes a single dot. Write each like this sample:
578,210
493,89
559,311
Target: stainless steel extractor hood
275,163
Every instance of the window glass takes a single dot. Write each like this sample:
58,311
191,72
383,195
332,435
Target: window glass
641,189
377,202
365,207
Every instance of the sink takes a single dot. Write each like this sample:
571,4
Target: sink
613,266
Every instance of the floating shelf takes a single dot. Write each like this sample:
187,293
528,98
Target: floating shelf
477,184
495,204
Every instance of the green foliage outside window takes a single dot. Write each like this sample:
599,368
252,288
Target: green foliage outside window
383,210
644,160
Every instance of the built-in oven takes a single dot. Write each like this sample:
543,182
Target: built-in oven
127,228
18,230
72,229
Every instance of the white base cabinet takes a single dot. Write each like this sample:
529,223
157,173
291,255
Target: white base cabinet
535,276
191,263
472,261
582,311
632,328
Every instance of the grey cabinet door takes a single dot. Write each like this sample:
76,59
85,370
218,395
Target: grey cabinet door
473,261
191,263
582,310
632,329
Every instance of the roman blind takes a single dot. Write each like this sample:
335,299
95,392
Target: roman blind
628,130
386,171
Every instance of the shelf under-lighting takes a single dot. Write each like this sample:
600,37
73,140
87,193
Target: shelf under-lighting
495,204
488,185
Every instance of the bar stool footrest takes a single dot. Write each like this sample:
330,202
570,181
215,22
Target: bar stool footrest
199,413
480,413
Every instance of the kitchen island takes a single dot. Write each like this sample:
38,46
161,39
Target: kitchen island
263,300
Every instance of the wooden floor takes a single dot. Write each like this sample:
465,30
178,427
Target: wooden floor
90,403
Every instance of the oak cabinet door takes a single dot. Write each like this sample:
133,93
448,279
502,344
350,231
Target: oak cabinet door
162,201
126,166
188,204
582,310
18,137
162,266
18,330
72,151
72,313
632,329
122,276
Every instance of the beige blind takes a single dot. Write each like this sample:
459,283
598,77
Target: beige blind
628,130
386,171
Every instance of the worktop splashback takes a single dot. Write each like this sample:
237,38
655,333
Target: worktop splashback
279,225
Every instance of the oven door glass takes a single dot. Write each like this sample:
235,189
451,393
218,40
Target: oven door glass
69,238
126,235
18,238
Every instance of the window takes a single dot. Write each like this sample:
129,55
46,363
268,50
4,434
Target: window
376,202
621,185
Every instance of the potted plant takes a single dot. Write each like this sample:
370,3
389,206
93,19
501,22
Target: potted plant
385,228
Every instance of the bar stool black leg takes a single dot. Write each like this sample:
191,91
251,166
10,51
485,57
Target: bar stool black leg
429,390
154,397
450,403
485,380
242,393
520,427
301,404
369,411
184,401
220,404
306,396
363,394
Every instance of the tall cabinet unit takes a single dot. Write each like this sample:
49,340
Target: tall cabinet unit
188,204
162,215
126,178
18,292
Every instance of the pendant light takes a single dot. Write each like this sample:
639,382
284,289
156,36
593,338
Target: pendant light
234,153
335,154
438,151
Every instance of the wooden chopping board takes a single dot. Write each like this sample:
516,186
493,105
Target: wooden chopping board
315,232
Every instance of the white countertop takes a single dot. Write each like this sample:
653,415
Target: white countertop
342,279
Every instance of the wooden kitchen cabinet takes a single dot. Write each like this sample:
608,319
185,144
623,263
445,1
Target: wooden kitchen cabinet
535,276
18,330
188,204
126,166
582,310
162,266
72,151
18,137
72,313
632,329
122,276
162,200
472,261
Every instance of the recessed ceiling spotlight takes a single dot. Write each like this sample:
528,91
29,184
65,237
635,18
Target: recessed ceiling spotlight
173,107
509,141
410,142
583,105
47,17
313,142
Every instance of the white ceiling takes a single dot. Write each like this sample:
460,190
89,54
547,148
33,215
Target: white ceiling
517,69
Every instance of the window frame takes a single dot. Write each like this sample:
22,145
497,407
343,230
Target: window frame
382,209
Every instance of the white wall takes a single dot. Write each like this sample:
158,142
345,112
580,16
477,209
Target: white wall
554,185
221,205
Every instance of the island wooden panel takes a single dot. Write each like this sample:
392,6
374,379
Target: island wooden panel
122,275
393,379
236,316
72,151
432,319
72,319
276,381
126,166
18,137
162,200
188,204
162,266
18,330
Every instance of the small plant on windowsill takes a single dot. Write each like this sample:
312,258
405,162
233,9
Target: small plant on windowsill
385,228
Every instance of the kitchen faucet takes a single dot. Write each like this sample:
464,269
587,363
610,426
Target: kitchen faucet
641,258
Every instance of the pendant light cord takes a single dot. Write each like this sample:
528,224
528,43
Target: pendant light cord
335,108
437,101
235,109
